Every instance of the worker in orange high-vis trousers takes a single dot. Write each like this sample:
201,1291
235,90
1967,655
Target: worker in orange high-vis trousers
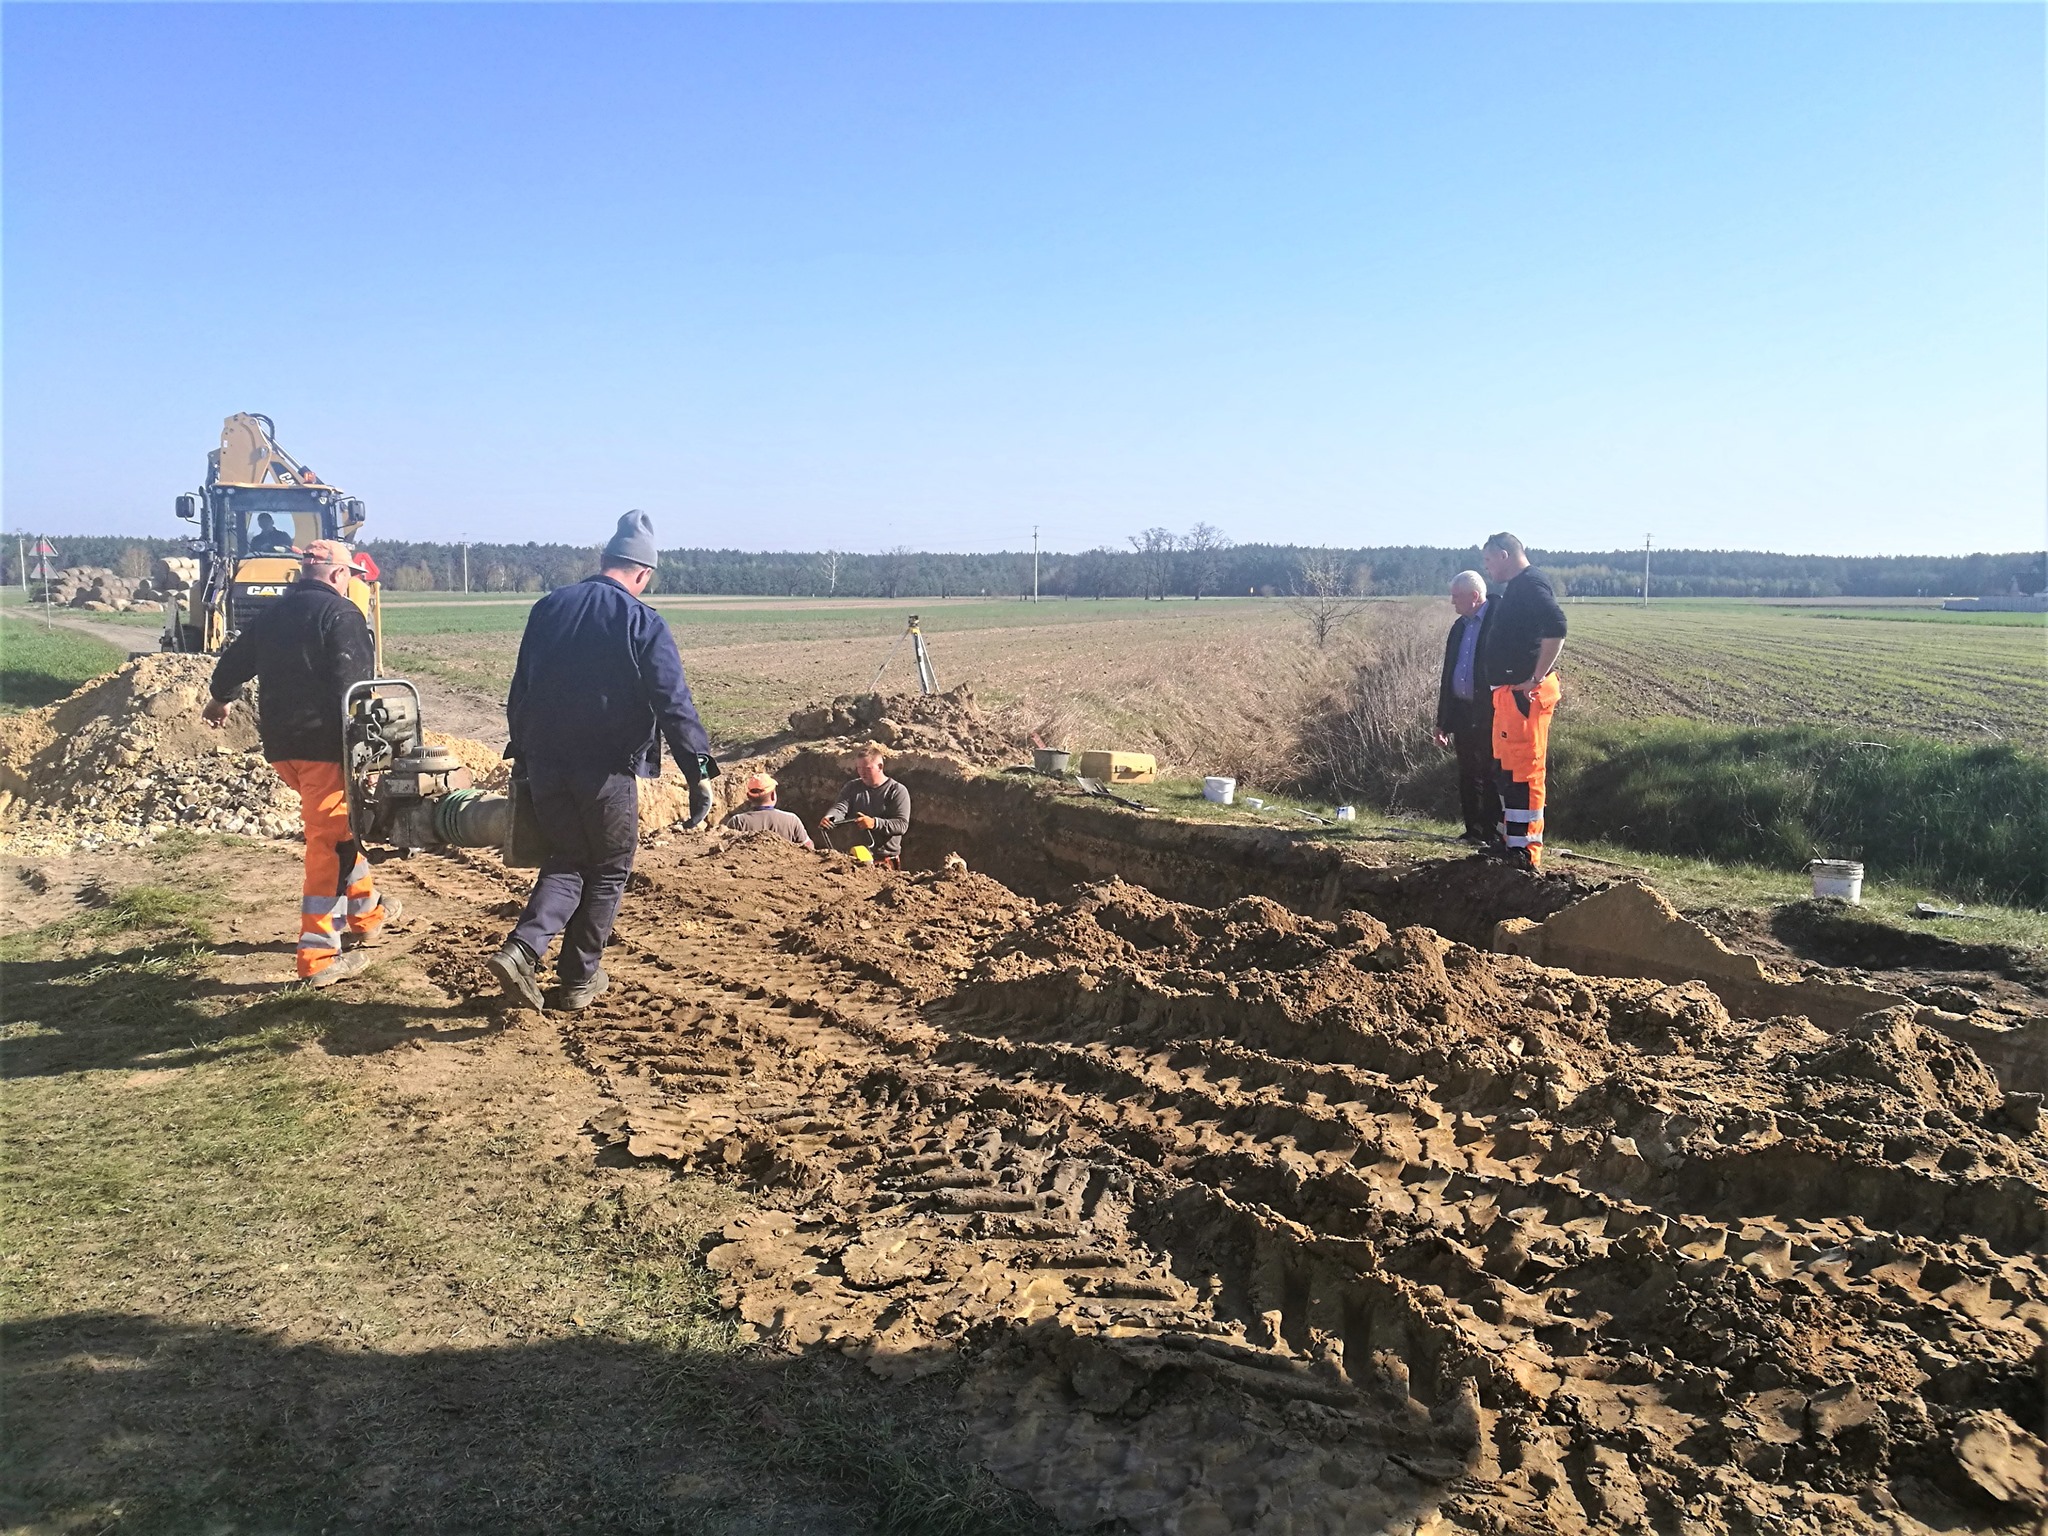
304,652
1521,636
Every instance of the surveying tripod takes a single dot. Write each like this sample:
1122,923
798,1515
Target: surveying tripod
928,681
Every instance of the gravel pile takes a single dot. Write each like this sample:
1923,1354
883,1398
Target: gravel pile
127,757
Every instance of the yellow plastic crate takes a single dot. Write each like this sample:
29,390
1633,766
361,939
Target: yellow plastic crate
1118,767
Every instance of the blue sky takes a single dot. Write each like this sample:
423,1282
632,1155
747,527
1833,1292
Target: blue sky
792,276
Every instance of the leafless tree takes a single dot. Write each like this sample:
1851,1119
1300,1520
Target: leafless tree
830,562
1322,597
897,566
1155,547
1202,545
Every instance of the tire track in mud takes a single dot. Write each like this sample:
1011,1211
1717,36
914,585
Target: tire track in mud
1246,1222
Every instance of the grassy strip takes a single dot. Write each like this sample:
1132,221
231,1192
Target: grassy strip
1970,821
40,665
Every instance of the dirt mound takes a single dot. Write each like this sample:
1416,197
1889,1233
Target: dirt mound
931,722
127,757
1244,1220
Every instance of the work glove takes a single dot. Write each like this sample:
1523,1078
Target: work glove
700,805
707,766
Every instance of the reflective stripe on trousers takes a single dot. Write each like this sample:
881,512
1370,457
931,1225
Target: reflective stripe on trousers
1521,750
338,889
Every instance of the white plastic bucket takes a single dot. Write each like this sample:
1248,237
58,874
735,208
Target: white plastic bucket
1346,813
1841,878
1219,791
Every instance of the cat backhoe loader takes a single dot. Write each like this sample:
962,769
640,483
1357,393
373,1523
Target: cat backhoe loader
258,508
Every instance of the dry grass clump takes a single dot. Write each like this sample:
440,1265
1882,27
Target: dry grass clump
1364,717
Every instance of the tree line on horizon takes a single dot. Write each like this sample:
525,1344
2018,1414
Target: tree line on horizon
1157,563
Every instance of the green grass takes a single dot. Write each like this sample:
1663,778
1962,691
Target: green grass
40,665
1968,821
1922,610
1949,676
755,619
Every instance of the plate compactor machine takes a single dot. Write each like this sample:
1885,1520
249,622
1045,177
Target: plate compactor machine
406,794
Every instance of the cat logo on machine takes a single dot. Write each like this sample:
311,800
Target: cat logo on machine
265,589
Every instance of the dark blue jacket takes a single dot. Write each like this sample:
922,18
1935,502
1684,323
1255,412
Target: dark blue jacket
599,685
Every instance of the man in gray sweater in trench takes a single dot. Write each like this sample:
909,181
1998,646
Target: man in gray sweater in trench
876,803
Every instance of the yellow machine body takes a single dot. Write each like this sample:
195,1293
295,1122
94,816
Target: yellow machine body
258,508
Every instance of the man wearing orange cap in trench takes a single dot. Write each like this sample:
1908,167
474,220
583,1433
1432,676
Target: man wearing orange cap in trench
304,652
760,815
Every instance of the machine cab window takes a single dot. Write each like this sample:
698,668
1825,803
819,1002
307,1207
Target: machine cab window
277,533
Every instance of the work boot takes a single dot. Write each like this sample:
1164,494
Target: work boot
394,909
349,963
575,996
513,966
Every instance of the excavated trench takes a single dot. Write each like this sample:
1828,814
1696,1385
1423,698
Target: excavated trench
1246,1191
1047,846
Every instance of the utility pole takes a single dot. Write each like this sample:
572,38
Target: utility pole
1034,562
465,567
1646,570
21,560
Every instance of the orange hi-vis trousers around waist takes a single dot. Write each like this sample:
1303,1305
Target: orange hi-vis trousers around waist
1521,743
338,889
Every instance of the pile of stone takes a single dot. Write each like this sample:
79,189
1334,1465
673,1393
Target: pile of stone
127,758
97,589
927,722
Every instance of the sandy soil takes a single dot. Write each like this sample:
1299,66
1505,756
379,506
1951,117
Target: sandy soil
1250,1222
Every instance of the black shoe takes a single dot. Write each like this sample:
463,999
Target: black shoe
513,967
575,996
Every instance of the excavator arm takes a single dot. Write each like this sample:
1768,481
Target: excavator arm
249,455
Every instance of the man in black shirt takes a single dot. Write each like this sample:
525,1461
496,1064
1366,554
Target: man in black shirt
1518,647
304,651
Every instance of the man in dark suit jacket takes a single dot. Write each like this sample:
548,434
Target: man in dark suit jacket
1464,712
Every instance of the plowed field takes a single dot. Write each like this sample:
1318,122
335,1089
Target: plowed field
1245,1221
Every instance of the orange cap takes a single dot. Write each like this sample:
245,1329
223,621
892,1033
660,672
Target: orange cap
760,786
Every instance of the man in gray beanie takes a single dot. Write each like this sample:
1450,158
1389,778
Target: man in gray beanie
598,688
